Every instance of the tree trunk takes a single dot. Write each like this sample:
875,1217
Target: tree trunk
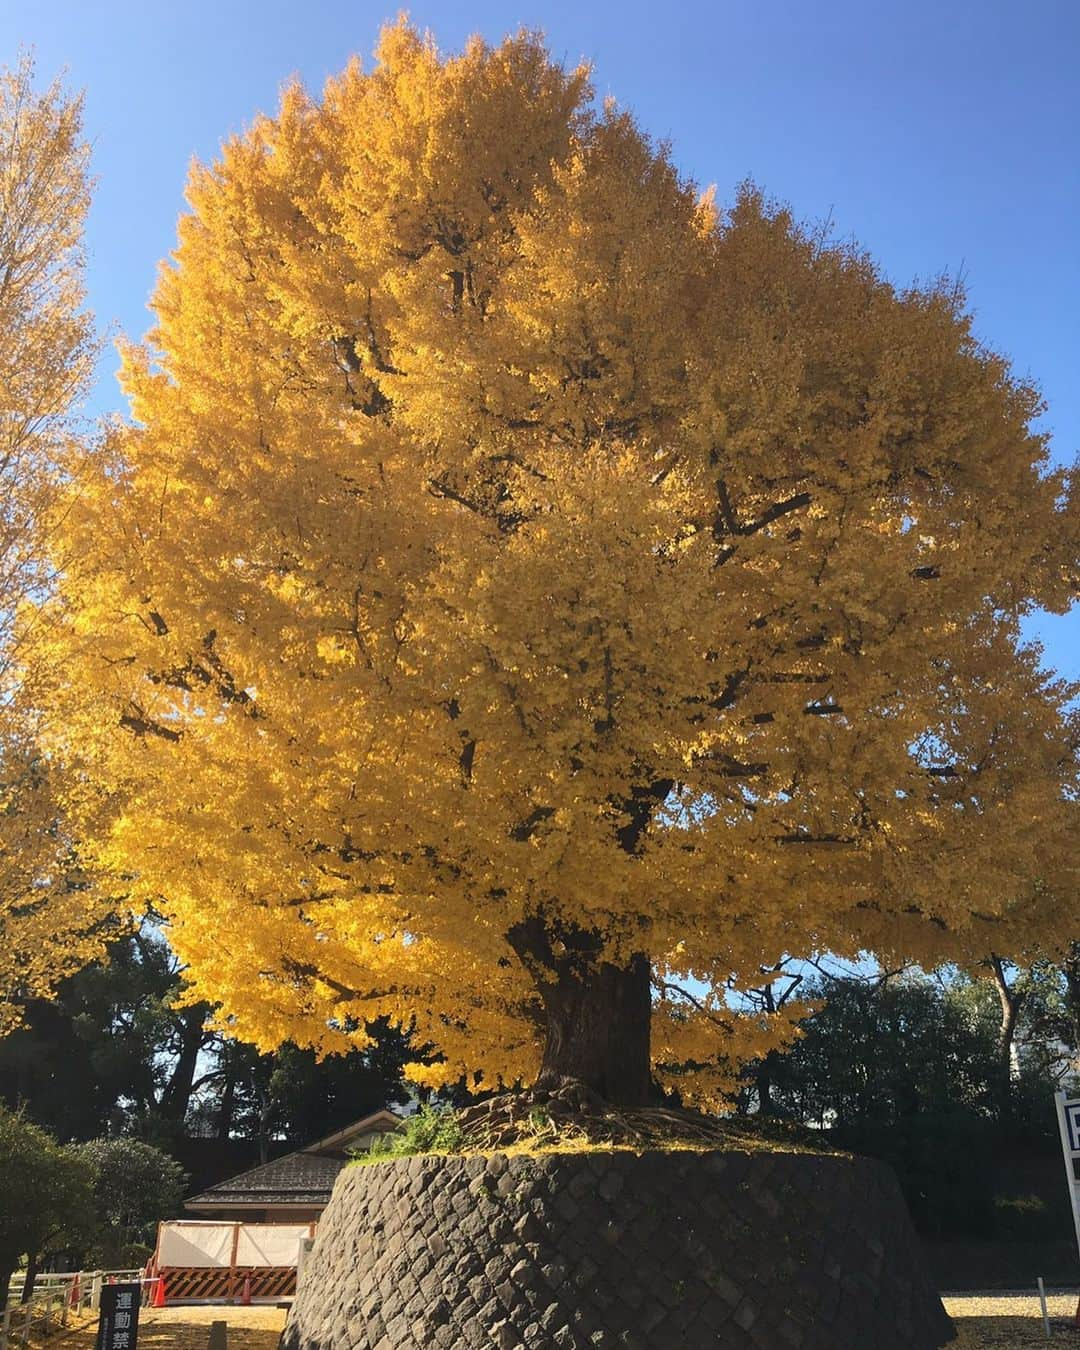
228,1103
1011,1004
33,1265
5,1283
1071,969
264,1131
763,1077
596,1015
763,1084
177,1093
598,1032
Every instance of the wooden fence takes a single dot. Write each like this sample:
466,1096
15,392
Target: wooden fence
57,1295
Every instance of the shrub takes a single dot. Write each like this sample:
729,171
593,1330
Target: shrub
433,1129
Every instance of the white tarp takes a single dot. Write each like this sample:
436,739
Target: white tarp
193,1242
270,1244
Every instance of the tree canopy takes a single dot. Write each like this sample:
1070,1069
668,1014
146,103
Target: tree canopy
526,588
48,914
135,1186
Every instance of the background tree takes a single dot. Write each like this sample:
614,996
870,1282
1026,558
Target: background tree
854,1063
909,1068
526,582
293,1095
112,1048
135,1187
49,916
46,1200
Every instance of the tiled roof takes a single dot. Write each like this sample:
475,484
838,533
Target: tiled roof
296,1179
340,1142
303,1178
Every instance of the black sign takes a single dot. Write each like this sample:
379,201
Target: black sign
118,1323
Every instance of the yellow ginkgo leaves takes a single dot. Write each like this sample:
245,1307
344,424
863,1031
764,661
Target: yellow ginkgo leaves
524,583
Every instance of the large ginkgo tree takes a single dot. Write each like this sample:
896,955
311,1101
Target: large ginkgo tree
529,599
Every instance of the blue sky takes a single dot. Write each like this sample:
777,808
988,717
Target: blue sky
940,135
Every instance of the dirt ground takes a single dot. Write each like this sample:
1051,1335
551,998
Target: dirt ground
984,1322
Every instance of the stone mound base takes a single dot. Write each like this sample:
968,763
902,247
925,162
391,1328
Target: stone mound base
593,1251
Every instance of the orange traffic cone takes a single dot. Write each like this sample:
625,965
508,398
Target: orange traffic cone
159,1300
75,1297
245,1293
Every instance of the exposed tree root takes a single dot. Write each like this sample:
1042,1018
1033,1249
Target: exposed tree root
570,1115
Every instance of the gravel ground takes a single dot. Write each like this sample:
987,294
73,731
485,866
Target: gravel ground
996,1321
187,1328
992,1321
1006,1321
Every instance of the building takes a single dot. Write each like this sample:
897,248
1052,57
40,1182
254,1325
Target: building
293,1189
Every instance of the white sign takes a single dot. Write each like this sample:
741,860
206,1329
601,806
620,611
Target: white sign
1068,1114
